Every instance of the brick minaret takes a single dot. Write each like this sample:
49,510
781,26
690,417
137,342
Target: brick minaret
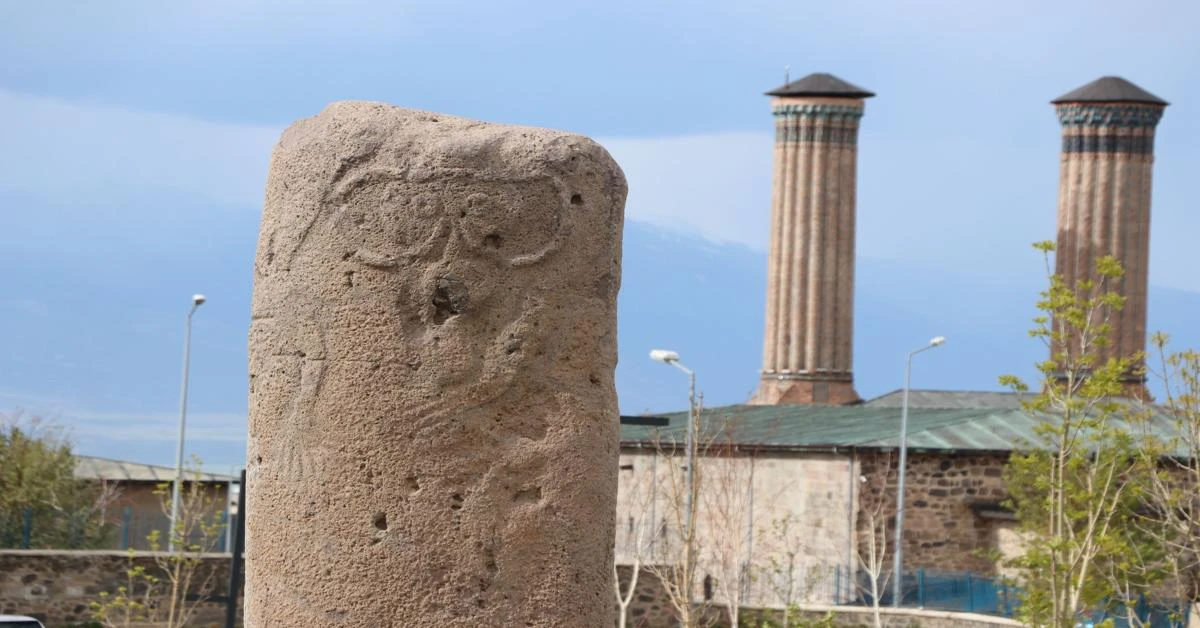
810,271
1104,198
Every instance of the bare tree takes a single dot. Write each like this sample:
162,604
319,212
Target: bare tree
197,531
636,498
1173,494
727,514
784,565
786,546
874,530
169,592
677,546
704,538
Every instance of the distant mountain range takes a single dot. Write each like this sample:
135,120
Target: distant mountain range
91,323
706,301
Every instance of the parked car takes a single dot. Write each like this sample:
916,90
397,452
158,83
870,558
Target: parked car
19,621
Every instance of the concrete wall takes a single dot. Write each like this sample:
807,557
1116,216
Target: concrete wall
58,586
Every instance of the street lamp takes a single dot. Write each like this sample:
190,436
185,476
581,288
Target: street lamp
672,358
197,301
899,566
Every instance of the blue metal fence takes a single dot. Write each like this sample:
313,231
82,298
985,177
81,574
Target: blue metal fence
1148,614
29,528
973,593
949,591
965,591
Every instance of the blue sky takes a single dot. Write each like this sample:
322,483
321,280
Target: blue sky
134,138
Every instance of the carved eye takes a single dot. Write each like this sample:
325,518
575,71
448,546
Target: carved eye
386,215
515,221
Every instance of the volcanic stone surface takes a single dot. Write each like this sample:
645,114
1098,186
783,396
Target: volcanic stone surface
433,420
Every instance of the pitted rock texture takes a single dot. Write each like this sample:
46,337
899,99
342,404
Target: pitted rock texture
433,421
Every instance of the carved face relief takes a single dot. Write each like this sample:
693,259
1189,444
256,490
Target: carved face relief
455,268
514,224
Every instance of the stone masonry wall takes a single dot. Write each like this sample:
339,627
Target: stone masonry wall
57,587
650,605
942,530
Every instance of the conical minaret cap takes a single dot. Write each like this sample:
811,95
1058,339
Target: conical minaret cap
1112,89
823,85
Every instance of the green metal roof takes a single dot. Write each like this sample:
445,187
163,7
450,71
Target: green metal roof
994,428
961,399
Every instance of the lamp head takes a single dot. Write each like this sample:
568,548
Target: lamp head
198,300
937,341
663,355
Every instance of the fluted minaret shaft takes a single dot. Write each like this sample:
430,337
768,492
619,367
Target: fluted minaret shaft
1104,209
808,340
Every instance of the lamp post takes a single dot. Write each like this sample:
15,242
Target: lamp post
672,358
899,562
197,301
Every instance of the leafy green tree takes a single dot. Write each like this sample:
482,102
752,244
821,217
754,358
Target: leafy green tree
171,586
188,580
133,602
42,505
1077,488
792,619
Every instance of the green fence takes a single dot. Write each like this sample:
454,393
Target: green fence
44,528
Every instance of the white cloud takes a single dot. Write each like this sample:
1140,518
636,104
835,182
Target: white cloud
717,185
85,424
956,205
122,29
156,427
714,185
69,152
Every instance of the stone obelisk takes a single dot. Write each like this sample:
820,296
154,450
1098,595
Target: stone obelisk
808,340
1104,201
433,420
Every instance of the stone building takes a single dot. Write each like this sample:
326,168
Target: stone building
820,468
808,450
823,470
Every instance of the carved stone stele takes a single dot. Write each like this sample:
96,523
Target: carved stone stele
433,420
